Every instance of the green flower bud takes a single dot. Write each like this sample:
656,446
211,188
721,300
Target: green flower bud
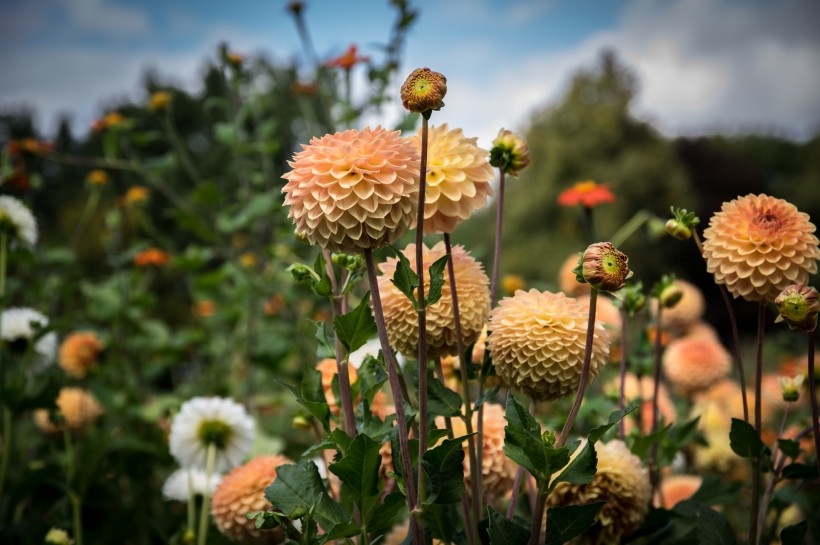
678,230
798,306
670,296
58,536
790,387
509,152
604,267
301,422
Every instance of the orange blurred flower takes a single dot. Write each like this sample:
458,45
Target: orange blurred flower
274,305
235,58
78,353
348,59
32,145
97,177
588,193
204,308
248,260
151,257
299,88
136,194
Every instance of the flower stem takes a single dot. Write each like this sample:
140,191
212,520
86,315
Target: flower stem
538,516
395,387
582,384
191,502
629,228
181,149
622,423
465,385
4,463
422,310
779,463
813,400
74,499
499,219
205,514
654,472
761,318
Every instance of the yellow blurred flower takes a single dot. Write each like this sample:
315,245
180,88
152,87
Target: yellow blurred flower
511,283
248,260
136,195
159,101
97,177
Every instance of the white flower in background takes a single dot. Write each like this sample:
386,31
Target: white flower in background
180,483
18,221
370,348
19,324
217,420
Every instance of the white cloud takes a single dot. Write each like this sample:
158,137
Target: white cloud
106,17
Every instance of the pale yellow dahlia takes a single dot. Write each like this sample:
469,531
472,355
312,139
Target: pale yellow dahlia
458,178
695,363
242,491
688,310
498,471
77,408
537,343
353,190
78,353
757,245
621,481
473,304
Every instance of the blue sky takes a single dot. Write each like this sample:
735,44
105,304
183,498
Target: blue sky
704,65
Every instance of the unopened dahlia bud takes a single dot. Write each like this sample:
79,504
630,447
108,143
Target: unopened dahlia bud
58,536
678,230
790,387
670,296
509,152
423,91
604,267
798,306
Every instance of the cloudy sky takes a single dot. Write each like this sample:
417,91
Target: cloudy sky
704,65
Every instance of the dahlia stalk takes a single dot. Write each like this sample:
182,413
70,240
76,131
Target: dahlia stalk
73,497
205,514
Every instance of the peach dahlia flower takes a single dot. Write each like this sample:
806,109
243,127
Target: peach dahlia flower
353,190
757,245
78,353
696,363
78,408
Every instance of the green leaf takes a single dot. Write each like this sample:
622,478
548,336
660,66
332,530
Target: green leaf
386,515
444,466
436,280
441,401
358,469
712,491
799,471
581,470
357,326
569,521
487,395
322,287
790,447
299,486
522,439
714,528
744,439
596,433
438,521
341,530
795,534
311,396
506,532
405,278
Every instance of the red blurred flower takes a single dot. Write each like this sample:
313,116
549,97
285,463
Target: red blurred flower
151,257
348,59
588,193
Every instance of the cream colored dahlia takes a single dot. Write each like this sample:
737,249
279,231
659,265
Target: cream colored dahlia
458,178
621,481
695,363
77,408
757,245
498,471
353,190
78,353
242,491
677,488
687,312
537,343
473,303
607,313
567,280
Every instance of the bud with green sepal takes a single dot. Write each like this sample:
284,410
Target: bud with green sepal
798,306
682,224
604,267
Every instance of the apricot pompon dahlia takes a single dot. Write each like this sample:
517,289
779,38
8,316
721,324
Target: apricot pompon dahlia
78,353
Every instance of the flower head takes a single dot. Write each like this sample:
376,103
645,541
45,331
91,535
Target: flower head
184,483
509,153
348,59
757,245
402,319
136,195
20,326
677,488
97,177
78,353
77,409
242,491
17,221
798,306
159,101
511,283
458,178
588,194
604,267
152,257
211,420
328,370
353,190
790,387
696,363
537,343
423,91
622,482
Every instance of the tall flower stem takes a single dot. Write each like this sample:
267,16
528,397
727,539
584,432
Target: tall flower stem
395,387
622,383
73,497
205,514
88,211
538,516
654,473
465,384
181,149
735,335
7,439
499,219
813,401
779,463
761,320
341,365
191,503
422,311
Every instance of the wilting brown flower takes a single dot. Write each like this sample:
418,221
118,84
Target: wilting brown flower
621,481
695,363
757,245
77,408
423,90
688,310
152,257
567,280
798,306
604,267
353,190
473,300
509,152
242,491
537,343
78,353
458,178
677,488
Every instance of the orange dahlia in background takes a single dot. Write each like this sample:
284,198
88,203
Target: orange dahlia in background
473,300
757,245
458,178
78,353
152,257
353,190
328,369
588,193
77,407
687,312
567,280
242,491
677,488
537,343
695,363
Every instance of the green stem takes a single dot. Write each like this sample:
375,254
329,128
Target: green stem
628,229
4,463
761,320
73,497
191,502
205,514
622,385
538,515
499,222
422,311
88,211
181,149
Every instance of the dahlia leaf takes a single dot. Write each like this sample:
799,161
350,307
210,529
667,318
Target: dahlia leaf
387,514
506,532
441,401
581,470
436,271
488,394
438,520
744,439
569,521
358,469
795,534
405,278
596,433
790,447
714,528
798,471
357,326
317,407
444,466
298,487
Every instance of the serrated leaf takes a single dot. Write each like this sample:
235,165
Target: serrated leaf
444,466
794,534
436,271
358,469
744,439
300,486
596,433
581,470
503,531
714,528
441,401
322,286
405,278
522,439
357,326
569,521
